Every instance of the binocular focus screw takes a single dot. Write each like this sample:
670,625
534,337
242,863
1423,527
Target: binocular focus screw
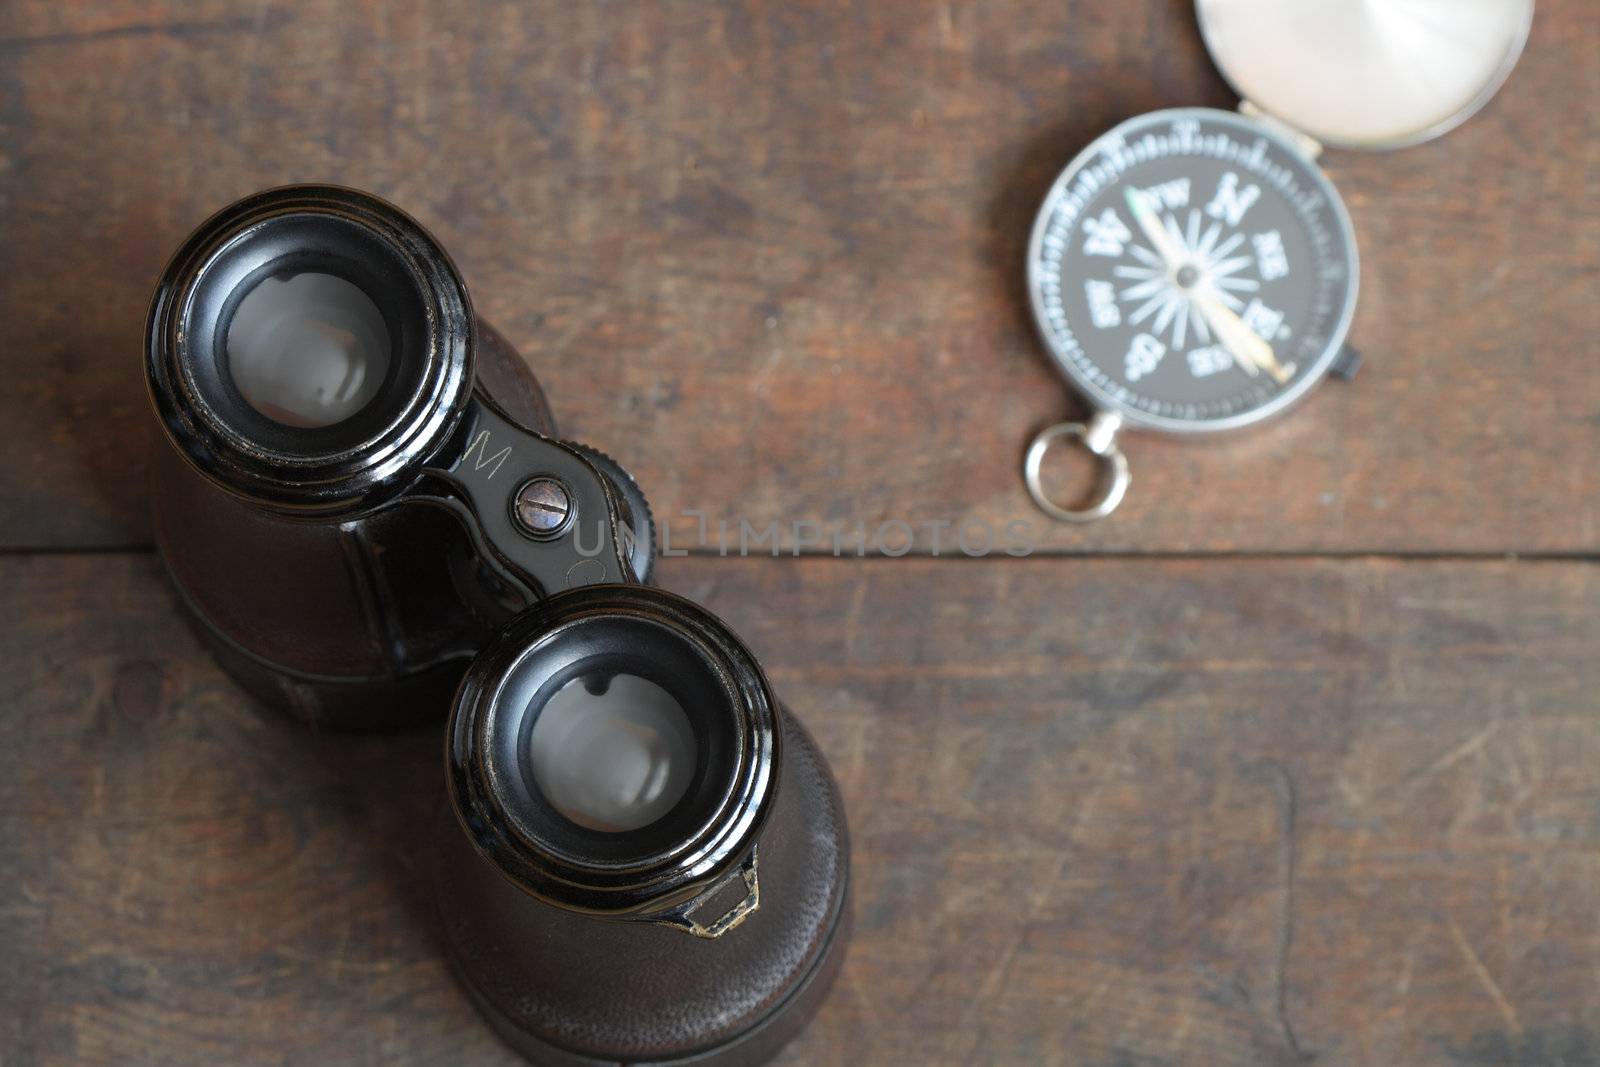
542,507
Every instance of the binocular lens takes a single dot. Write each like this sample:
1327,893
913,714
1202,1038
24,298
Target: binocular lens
308,350
612,752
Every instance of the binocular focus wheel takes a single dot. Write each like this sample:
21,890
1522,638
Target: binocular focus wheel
643,522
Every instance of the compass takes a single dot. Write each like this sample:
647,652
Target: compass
1193,270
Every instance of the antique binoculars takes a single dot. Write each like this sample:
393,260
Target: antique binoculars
367,514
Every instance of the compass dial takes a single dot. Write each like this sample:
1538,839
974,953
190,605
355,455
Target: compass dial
1192,270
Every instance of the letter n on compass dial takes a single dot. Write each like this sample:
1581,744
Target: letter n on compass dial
1192,270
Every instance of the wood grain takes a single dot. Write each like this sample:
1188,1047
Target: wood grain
769,254
1104,813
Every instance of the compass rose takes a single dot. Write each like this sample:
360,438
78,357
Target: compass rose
1204,266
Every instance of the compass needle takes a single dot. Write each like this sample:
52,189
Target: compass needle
1154,232
1241,340
1175,235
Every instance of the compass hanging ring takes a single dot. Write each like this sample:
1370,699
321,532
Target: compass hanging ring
1193,270
1099,436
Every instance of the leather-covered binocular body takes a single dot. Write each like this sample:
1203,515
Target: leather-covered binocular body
368,514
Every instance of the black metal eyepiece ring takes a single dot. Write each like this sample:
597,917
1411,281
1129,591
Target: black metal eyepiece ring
325,239
510,737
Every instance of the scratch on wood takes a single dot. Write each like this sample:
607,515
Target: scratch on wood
1494,278
999,974
1486,979
1352,796
1280,967
1417,778
1461,751
248,63
758,381
339,952
1001,971
1502,892
1402,985
853,618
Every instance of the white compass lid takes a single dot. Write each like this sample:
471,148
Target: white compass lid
1366,73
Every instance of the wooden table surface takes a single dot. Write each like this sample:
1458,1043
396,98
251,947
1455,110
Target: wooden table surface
1294,759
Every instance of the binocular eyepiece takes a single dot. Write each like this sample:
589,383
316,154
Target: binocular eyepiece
615,744
369,516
